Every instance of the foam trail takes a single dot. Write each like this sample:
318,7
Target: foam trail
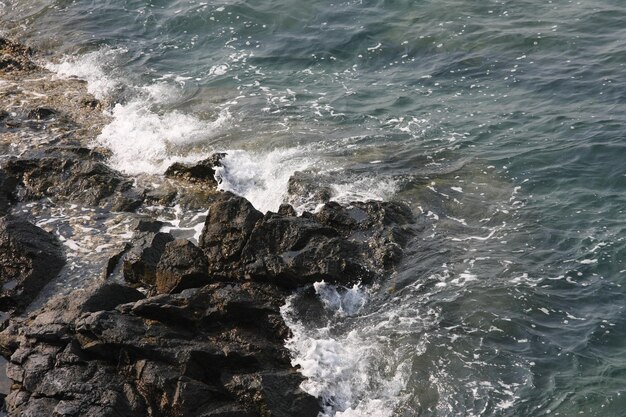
91,68
344,368
142,139
363,189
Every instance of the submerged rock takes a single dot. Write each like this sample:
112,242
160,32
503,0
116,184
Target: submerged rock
305,186
29,259
201,172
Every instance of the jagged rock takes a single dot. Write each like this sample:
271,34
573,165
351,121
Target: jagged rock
306,186
339,244
273,392
7,192
75,174
227,228
14,57
201,172
287,210
29,259
182,265
140,262
295,251
213,351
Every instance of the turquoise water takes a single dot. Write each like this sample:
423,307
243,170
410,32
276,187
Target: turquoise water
502,122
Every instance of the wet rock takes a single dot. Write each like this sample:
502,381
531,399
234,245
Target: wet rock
295,251
201,172
340,245
306,186
7,192
42,113
14,57
29,259
287,210
73,174
140,262
213,351
273,392
227,228
182,265
163,195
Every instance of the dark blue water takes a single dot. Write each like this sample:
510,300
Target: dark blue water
503,122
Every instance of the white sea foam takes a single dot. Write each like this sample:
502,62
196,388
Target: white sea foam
344,368
91,67
144,141
261,177
363,189
141,138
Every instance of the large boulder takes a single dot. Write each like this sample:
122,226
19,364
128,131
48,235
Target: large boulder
214,351
339,244
29,258
295,251
73,174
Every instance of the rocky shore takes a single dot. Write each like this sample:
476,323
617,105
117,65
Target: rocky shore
162,326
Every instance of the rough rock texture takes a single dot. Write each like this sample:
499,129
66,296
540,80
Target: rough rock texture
306,186
29,259
182,265
7,192
338,244
201,172
74,174
213,351
140,263
228,226
14,57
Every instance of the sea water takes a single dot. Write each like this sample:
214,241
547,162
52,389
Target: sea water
502,124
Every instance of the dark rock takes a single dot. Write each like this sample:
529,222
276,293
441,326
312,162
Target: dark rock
29,259
213,351
148,225
227,228
294,251
287,210
7,192
41,113
305,186
274,394
163,195
182,265
74,174
201,172
140,262
340,245
14,57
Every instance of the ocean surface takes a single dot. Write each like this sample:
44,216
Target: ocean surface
502,123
